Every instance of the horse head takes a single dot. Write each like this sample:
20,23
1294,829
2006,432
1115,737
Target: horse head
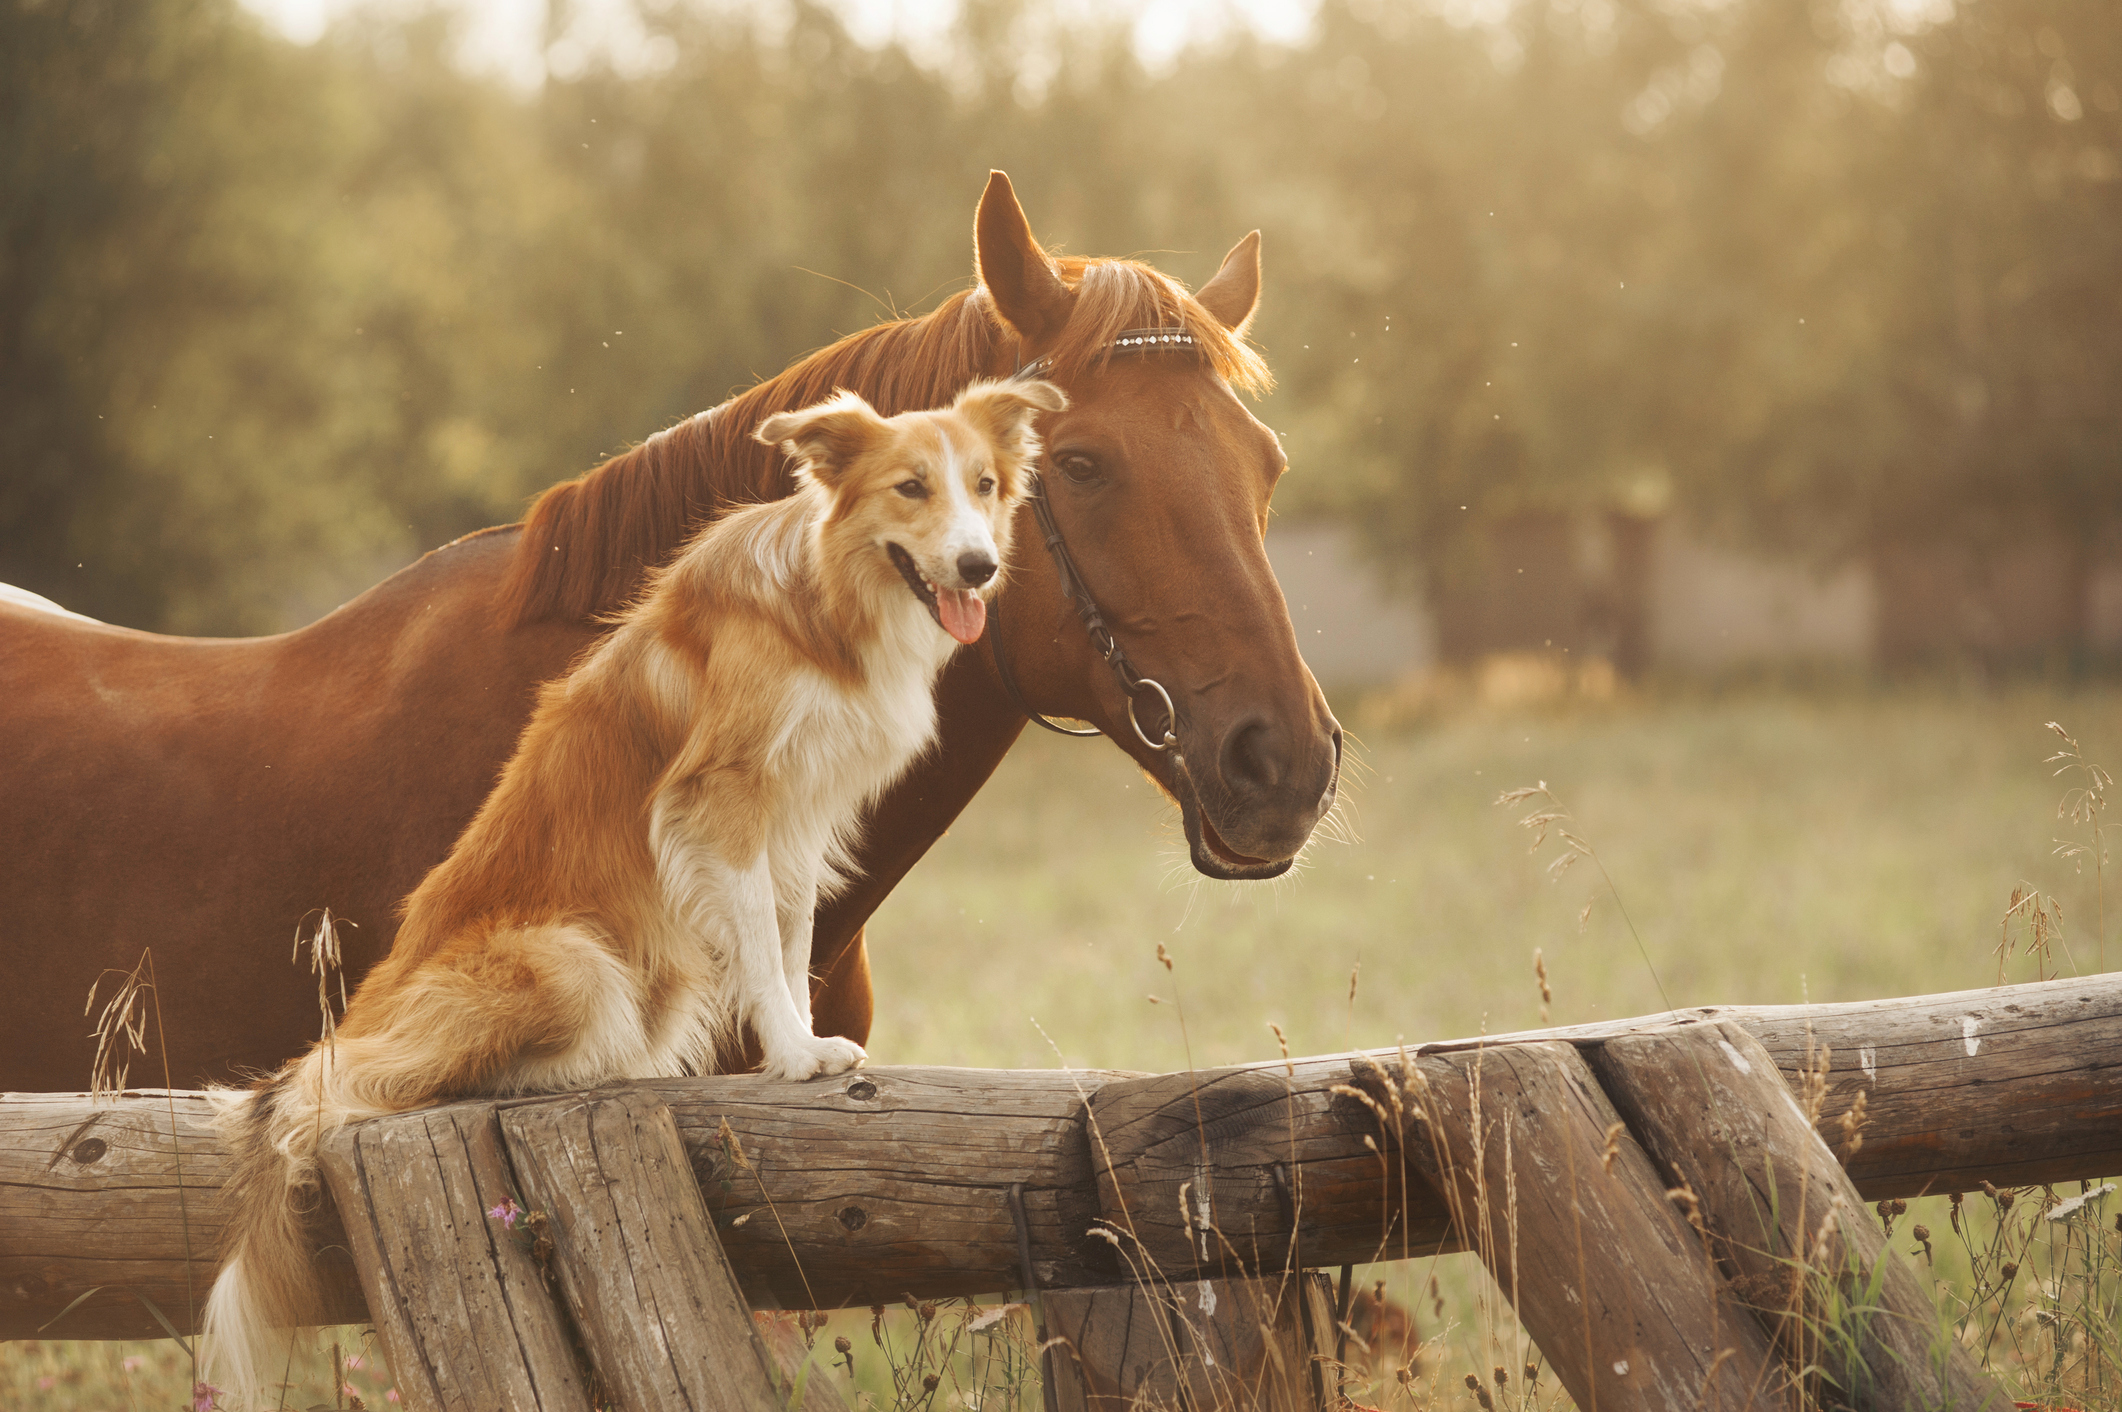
1157,480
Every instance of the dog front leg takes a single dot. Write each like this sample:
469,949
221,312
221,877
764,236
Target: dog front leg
797,903
760,960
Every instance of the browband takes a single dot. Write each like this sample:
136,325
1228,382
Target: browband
1144,340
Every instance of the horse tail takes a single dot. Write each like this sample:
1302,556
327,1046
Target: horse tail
268,1287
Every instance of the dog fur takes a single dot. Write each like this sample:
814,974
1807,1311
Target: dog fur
640,884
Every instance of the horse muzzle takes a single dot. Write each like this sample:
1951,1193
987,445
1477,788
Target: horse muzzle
1252,816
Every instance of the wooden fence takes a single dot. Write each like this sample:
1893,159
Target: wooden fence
1550,1154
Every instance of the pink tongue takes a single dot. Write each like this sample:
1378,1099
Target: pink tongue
963,613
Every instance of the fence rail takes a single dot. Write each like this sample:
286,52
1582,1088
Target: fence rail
890,1181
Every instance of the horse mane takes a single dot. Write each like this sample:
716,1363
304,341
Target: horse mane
588,542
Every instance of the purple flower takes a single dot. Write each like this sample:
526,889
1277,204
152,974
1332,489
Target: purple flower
506,1213
205,1397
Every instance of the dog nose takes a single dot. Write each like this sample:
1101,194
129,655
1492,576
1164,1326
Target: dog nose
975,568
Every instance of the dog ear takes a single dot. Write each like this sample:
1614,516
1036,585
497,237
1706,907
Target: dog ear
1002,412
825,439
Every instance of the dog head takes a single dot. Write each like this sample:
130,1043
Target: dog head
926,496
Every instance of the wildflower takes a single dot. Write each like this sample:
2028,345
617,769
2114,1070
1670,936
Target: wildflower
506,1213
131,1365
205,1397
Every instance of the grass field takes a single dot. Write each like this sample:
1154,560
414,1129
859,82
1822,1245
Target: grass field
1769,845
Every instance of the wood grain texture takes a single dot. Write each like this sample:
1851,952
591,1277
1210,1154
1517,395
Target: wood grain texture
1708,1103
2016,1085
905,1189
1230,1345
1573,1222
887,1181
465,1316
636,1255
110,1194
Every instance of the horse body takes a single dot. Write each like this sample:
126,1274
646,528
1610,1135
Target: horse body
202,797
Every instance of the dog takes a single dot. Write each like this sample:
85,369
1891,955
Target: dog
639,886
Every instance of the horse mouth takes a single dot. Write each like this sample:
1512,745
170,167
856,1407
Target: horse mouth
1210,854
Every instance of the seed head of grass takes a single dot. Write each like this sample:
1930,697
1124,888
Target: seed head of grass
324,964
121,1029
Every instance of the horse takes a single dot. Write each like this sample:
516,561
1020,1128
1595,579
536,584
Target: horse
205,799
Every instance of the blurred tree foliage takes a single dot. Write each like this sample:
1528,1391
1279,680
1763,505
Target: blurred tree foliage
275,317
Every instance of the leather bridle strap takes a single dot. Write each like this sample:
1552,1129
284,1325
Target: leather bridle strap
1078,593
1101,637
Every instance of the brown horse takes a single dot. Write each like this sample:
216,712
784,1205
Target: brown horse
204,797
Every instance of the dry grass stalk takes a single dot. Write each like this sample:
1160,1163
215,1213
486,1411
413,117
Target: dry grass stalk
2085,805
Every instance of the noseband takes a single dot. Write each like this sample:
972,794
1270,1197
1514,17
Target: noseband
1077,592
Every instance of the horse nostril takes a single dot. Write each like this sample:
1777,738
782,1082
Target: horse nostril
1250,760
975,568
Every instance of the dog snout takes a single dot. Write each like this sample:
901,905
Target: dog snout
976,567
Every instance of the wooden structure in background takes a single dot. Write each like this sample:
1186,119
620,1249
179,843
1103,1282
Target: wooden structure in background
1548,1154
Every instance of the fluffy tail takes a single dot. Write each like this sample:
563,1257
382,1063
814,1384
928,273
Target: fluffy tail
267,1286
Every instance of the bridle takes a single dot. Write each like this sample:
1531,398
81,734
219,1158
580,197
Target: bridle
1140,340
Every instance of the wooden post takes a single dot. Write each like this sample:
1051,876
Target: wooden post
1227,1345
1576,1228
638,1259
1785,1222
463,1311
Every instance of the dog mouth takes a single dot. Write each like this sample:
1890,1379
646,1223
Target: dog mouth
958,611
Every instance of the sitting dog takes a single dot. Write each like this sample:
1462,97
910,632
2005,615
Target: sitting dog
639,886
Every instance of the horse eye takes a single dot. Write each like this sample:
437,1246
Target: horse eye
1077,467
912,489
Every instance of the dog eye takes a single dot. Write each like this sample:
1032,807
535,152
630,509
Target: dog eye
987,485
912,489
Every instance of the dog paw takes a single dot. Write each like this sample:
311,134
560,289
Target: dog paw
815,1058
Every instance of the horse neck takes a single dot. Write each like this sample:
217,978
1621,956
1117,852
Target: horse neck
587,542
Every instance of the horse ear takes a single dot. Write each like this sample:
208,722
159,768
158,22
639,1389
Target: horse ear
1235,291
1027,291
825,439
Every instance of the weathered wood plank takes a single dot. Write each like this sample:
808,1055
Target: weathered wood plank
889,1181
2015,1085
928,1159
463,1310
108,1194
1775,1204
636,1255
1231,1345
1573,1222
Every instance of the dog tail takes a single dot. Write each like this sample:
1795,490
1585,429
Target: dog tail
268,1287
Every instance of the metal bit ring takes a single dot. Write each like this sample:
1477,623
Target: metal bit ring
1171,715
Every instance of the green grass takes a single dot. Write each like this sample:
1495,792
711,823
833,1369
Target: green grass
1770,846
1770,849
